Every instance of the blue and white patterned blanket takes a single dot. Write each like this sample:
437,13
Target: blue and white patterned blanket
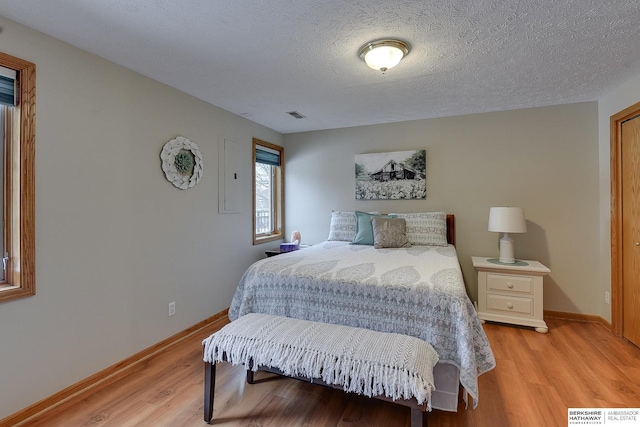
416,291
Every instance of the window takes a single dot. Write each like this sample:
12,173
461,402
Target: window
267,191
17,123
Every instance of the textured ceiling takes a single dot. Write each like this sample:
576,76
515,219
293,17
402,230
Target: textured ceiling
261,59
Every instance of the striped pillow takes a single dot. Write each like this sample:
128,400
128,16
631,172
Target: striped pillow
343,226
426,228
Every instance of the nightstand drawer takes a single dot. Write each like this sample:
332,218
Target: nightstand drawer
509,304
502,282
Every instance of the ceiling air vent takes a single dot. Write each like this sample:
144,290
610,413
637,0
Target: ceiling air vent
295,114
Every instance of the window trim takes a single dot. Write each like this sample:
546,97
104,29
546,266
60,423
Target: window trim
279,196
20,187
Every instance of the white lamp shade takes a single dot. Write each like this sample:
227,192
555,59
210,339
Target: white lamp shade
507,220
383,57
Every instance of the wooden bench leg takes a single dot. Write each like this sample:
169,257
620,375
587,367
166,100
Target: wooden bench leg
418,418
250,372
209,387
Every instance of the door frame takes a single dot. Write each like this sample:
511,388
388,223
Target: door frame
617,319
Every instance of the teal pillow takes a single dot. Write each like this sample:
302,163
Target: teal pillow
364,228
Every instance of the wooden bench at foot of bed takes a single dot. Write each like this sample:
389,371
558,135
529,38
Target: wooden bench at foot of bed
386,366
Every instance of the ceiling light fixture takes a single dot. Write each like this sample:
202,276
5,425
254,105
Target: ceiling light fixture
383,54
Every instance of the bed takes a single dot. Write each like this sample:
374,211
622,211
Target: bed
416,290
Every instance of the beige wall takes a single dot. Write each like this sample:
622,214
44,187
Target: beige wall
543,159
115,241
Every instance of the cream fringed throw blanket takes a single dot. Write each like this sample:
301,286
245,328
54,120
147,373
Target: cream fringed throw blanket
401,366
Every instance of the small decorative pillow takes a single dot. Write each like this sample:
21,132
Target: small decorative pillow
390,233
364,229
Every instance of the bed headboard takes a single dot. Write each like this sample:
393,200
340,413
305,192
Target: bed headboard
451,229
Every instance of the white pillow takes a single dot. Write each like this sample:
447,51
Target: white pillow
343,226
426,228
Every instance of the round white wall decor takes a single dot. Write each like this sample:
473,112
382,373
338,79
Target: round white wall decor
182,162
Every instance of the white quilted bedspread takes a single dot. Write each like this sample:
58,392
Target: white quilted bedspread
416,291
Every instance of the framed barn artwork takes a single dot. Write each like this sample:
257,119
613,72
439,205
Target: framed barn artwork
395,175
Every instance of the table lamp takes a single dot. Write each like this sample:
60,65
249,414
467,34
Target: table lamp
507,220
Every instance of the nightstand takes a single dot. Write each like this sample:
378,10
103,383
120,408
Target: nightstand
511,293
276,251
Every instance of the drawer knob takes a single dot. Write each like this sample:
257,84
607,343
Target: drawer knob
510,285
509,306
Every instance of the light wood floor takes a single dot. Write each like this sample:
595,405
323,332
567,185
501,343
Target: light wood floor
536,379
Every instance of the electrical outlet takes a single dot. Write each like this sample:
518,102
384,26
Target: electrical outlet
172,308
606,297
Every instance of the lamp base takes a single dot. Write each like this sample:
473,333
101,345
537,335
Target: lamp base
518,263
506,250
